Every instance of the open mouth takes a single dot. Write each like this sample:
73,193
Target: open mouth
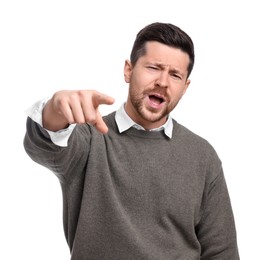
156,99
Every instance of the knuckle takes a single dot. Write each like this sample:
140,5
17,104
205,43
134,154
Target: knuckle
91,119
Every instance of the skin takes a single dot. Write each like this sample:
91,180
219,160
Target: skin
75,107
158,76
156,84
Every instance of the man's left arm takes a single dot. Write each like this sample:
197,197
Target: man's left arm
216,230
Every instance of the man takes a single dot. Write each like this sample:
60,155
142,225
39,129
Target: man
136,184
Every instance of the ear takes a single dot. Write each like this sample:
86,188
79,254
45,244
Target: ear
128,71
187,83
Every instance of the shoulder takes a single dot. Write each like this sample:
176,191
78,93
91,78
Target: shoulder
193,142
184,134
196,150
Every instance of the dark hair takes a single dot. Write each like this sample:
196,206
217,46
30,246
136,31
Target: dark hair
165,33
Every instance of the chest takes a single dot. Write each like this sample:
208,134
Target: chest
150,180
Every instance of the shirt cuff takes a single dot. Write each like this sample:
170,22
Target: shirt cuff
60,137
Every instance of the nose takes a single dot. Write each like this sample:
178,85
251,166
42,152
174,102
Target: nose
162,80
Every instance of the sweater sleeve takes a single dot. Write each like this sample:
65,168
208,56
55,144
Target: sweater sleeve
216,230
59,138
63,161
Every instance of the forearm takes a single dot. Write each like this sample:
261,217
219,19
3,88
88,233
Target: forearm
63,161
38,145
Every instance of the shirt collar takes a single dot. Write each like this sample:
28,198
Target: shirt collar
124,122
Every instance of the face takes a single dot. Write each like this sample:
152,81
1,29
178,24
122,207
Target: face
156,84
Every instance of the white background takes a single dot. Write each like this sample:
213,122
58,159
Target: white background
51,45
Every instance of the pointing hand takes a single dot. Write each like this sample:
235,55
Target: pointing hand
75,107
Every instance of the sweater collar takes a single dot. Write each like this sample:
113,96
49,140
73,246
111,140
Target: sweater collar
124,122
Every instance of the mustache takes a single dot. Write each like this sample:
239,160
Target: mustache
159,91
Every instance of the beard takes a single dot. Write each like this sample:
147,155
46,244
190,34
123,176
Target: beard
148,114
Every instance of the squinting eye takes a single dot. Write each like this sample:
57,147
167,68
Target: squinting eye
176,76
153,67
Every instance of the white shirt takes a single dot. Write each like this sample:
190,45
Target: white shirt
123,121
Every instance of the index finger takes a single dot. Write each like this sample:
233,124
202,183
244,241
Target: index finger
100,98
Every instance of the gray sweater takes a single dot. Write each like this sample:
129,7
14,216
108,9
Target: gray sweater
139,195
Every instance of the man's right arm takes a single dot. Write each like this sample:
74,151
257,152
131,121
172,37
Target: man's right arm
57,118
